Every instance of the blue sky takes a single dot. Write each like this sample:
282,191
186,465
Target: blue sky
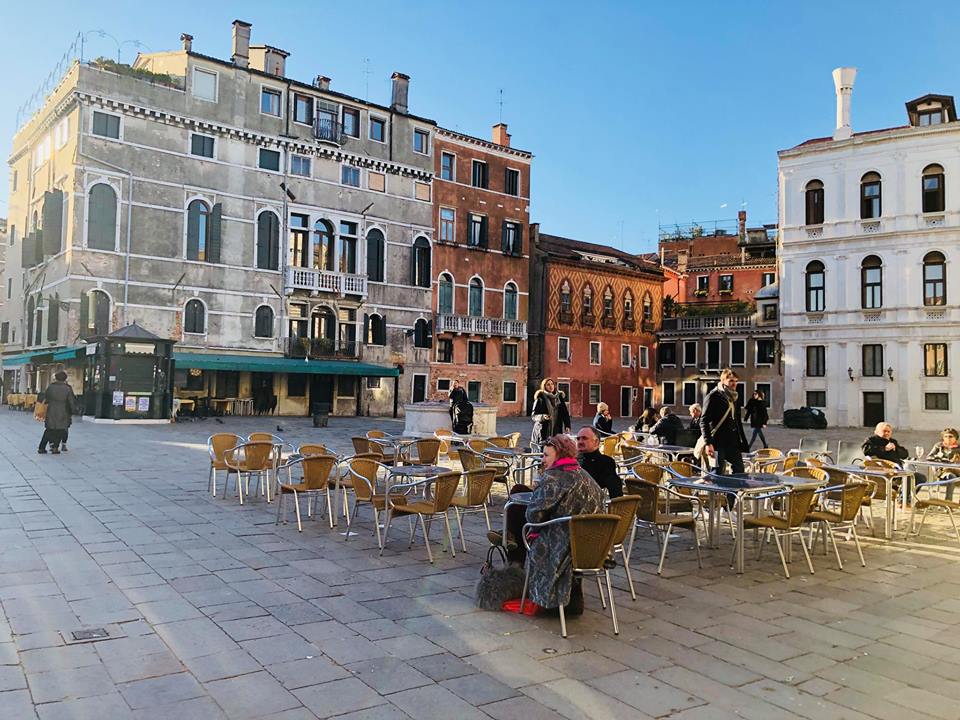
635,111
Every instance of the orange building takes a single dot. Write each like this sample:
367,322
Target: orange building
594,312
481,255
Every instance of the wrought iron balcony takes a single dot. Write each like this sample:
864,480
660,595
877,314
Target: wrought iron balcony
329,130
297,347
326,281
471,325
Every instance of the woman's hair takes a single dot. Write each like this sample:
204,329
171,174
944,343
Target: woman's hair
543,384
602,407
950,431
758,394
564,446
880,427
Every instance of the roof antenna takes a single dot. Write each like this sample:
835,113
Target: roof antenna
366,73
501,105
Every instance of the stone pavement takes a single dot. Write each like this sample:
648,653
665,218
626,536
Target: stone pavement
213,612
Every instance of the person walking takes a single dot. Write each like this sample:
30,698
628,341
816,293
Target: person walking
546,404
457,396
60,402
756,413
721,431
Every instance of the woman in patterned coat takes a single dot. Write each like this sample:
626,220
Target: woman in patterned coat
564,489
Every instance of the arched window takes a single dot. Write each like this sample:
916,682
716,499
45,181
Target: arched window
376,329
475,298
101,218
871,283
628,306
268,241
348,247
421,334
647,307
53,318
934,279
445,295
565,298
870,196
31,306
932,187
323,245
814,202
263,322
198,230
94,314
510,296
815,286
376,247
194,317
607,303
587,301
420,263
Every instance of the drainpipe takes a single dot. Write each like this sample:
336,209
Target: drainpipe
284,228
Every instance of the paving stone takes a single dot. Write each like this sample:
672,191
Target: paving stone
99,707
308,671
12,678
442,666
479,689
17,704
218,666
388,675
520,708
577,701
338,697
201,708
161,691
434,702
251,696
57,685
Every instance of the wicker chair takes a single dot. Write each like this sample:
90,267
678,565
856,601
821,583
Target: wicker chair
427,451
247,459
308,449
650,516
444,435
360,444
500,442
797,503
931,502
474,499
316,471
444,488
610,446
265,437
217,446
808,473
849,498
362,474
473,460
514,439
625,507
630,451
591,540
478,445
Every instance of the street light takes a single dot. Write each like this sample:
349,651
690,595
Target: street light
890,373
850,373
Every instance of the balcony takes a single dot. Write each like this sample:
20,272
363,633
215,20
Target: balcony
608,322
708,323
587,319
296,347
326,281
629,323
471,325
329,130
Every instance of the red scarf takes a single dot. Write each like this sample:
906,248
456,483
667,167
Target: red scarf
565,463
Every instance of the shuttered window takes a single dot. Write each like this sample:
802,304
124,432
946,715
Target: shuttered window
102,218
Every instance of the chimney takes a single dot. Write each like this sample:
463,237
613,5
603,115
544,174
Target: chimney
187,41
269,59
241,43
321,82
401,86
742,224
843,79
500,135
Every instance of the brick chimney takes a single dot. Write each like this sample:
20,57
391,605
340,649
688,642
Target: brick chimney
241,43
843,79
321,82
401,87
742,223
187,41
500,135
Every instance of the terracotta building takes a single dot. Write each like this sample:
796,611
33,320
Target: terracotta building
594,312
481,257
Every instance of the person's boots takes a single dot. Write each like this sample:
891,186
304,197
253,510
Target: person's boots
575,606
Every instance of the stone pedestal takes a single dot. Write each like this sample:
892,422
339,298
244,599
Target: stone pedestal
423,419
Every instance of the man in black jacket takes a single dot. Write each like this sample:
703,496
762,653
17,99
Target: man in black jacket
883,445
667,427
600,467
720,424
756,413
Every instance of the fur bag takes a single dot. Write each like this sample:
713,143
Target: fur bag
498,584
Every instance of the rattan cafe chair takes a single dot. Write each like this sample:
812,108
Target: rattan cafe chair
308,449
796,505
625,507
477,484
217,446
444,487
362,475
847,497
248,459
926,503
316,471
649,515
425,451
265,437
500,442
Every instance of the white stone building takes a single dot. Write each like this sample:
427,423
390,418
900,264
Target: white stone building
869,279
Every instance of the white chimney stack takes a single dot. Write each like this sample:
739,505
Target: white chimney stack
843,79
241,43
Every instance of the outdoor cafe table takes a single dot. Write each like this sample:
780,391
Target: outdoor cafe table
406,472
887,477
514,456
673,451
741,485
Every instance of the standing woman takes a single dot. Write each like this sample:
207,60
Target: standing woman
546,405
563,414
756,413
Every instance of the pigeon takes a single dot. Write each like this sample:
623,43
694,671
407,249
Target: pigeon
219,420
279,428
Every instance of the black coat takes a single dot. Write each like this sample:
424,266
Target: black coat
756,413
563,417
603,469
61,403
730,433
694,427
667,429
874,446
603,424
457,396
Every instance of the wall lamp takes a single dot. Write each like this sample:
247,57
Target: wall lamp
850,373
890,373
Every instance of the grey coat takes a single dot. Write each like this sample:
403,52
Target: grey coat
562,491
60,405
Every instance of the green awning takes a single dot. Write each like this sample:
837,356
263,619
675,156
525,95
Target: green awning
69,353
24,358
255,363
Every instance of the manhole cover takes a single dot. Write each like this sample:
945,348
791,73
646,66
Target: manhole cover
89,634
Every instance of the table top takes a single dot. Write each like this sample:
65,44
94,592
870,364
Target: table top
858,470
744,482
418,470
669,448
936,464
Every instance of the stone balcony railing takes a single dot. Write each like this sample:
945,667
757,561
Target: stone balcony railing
471,325
315,280
708,323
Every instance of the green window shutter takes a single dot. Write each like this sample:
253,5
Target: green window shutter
483,232
193,230
213,236
52,222
504,241
366,328
84,314
102,218
273,238
53,321
518,248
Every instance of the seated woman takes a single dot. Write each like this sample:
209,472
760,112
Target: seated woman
882,445
947,451
564,489
602,422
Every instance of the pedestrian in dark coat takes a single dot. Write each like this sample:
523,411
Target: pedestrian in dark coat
563,414
648,418
602,468
457,396
756,413
695,412
546,405
60,402
720,427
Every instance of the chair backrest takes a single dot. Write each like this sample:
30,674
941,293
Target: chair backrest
851,498
790,462
316,471
514,439
363,472
265,437
500,442
813,462
428,449
772,468
648,471
630,450
478,483
848,452
880,464
252,456
624,507
444,488
684,469
312,449
649,494
768,454
470,460
610,445
809,445
591,539
442,432
373,434
478,445
808,473
360,444
799,502
219,443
